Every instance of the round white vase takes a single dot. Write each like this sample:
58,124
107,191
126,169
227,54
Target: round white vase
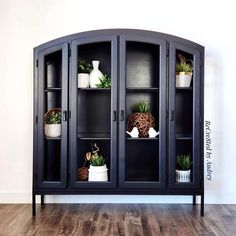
83,80
183,79
182,175
95,75
52,130
98,173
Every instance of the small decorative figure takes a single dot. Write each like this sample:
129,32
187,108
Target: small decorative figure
134,132
152,133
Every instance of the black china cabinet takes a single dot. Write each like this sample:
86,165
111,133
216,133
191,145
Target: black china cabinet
142,67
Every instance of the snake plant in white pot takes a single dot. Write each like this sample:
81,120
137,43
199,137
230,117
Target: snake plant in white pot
183,168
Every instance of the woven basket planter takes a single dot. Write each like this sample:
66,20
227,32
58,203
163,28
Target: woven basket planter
143,121
82,173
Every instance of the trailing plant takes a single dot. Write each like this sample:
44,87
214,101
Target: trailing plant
93,157
141,107
184,162
53,117
84,66
105,82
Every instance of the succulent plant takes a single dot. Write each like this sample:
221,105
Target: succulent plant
183,67
141,107
84,66
53,118
184,162
105,82
97,160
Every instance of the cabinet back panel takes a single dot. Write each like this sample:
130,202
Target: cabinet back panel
94,112
52,160
142,66
53,70
97,51
142,161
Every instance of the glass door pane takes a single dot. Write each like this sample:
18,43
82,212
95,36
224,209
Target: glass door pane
142,108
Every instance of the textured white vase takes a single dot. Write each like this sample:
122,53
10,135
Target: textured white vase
182,175
183,79
83,80
95,75
52,130
97,173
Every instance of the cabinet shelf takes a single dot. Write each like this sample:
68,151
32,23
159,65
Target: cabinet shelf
93,136
141,89
184,136
142,139
57,138
184,89
95,89
52,89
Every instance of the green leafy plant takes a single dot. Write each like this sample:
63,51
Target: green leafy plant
84,66
97,160
53,118
105,82
141,107
184,162
183,67
93,157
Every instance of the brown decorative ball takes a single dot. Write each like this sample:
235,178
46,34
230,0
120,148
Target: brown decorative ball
82,173
143,121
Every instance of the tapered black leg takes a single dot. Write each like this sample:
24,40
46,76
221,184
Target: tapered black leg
202,205
33,205
194,200
42,199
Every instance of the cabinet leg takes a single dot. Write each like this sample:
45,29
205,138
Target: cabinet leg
202,205
33,204
194,200
42,200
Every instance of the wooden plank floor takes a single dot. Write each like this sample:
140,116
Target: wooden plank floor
117,219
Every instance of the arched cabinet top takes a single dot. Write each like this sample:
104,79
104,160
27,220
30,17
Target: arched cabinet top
118,32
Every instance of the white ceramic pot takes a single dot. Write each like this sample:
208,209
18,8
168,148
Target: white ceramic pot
183,79
95,75
97,173
83,80
182,175
52,130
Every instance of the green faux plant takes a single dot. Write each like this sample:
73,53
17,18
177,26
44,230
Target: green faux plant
184,162
141,107
53,118
105,82
84,66
97,160
183,67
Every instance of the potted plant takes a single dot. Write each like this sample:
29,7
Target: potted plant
84,69
52,120
105,82
183,72
183,170
97,169
141,118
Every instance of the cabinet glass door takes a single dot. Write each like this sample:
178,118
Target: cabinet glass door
184,117
52,117
93,113
142,102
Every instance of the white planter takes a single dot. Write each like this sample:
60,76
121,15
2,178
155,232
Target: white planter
52,130
95,75
182,175
97,173
183,79
83,80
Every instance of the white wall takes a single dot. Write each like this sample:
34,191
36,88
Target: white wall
25,24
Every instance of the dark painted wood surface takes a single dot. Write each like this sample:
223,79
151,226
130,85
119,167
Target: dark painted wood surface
117,219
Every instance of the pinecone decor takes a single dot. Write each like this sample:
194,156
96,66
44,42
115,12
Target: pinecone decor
141,118
82,173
